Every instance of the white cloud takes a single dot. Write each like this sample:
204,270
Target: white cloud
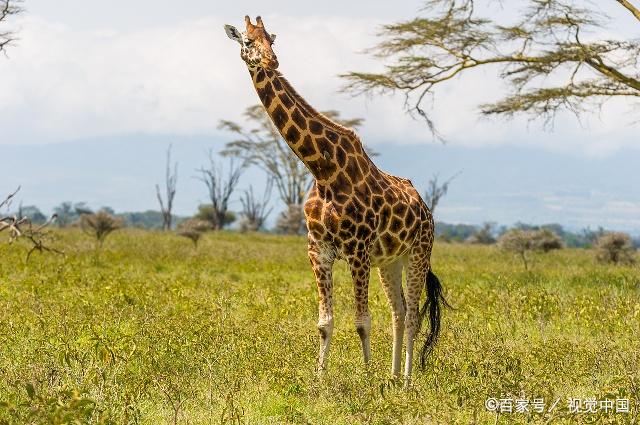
64,83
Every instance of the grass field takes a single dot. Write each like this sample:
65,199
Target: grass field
152,331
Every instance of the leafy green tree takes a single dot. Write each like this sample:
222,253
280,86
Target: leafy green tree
207,212
483,236
33,213
546,55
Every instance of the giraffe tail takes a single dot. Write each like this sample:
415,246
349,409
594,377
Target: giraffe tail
432,306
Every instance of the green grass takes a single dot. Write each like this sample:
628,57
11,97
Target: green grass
151,331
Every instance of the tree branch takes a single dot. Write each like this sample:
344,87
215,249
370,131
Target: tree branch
631,8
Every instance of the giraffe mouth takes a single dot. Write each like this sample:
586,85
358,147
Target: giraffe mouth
270,63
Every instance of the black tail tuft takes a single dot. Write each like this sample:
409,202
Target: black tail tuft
432,306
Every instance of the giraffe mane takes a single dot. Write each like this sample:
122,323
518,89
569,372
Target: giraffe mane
302,104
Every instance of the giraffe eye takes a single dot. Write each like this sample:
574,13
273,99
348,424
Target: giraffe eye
248,43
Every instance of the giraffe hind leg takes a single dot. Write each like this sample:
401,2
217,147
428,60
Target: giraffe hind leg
322,265
391,279
360,272
417,268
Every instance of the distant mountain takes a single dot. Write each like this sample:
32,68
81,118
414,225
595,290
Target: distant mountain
499,184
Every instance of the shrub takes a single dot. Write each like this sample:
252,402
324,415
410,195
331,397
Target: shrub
521,242
100,225
616,248
193,229
547,240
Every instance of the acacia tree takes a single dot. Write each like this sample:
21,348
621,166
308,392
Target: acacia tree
7,9
260,144
547,56
171,178
220,187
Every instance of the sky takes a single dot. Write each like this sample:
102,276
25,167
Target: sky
94,92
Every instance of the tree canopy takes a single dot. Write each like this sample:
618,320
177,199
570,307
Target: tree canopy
549,56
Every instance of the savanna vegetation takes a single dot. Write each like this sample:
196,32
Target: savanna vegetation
147,329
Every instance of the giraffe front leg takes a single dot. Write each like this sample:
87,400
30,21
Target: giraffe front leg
416,278
391,279
322,264
360,272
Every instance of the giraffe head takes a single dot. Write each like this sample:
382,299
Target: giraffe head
256,44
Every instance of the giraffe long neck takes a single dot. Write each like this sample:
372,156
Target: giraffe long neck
331,152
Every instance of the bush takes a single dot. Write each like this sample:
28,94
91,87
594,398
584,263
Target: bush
521,242
615,248
206,212
547,240
193,229
100,225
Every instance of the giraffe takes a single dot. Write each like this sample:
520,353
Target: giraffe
354,212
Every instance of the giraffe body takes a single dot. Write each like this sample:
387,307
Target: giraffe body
354,212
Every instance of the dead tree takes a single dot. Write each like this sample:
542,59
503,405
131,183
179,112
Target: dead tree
170,186
220,187
21,227
254,211
435,191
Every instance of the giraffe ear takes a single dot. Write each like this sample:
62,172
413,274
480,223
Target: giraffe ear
233,33
273,37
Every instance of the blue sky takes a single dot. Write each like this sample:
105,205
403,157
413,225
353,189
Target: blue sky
94,92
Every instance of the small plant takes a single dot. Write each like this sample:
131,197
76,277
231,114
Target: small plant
100,225
615,248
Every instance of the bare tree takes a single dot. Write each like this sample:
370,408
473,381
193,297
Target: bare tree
220,187
21,227
255,211
171,178
435,191
7,9
543,55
